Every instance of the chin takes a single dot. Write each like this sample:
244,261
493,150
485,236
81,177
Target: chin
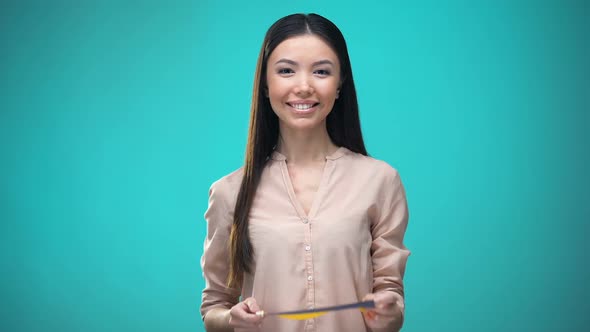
304,124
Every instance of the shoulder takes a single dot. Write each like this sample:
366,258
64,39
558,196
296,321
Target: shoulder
227,186
373,167
375,177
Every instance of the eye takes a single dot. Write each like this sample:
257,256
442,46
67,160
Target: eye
322,72
285,71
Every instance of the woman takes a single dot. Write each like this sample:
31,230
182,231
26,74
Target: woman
310,220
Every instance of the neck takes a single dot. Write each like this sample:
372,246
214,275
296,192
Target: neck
301,147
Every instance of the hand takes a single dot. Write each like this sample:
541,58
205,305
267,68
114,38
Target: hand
244,315
385,311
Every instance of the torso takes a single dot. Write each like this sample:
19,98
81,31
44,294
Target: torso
347,192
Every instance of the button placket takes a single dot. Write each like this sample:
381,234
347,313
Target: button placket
309,264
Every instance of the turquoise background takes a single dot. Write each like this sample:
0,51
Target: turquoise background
115,118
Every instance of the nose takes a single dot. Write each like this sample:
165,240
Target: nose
304,88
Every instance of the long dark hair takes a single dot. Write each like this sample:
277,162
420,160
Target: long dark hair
342,123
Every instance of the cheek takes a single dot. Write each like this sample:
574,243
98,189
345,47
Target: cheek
275,96
327,88
275,87
329,96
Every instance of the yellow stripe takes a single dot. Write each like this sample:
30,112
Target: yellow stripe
303,316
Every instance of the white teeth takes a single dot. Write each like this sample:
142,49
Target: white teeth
302,106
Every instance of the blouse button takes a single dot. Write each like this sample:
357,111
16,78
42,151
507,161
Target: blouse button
305,220
307,248
310,278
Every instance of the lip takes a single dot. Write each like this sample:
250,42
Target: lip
306,111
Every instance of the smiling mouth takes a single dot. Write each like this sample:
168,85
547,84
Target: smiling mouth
303,107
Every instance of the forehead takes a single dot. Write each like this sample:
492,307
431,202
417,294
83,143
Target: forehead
303,49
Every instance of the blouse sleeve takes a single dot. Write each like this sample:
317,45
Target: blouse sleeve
389,254
215,259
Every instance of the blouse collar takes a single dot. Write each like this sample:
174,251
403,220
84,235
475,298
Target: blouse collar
341,151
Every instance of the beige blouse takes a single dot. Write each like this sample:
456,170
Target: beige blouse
349,245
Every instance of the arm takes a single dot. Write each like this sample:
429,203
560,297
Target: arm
217,320
217,298
220,309
389,256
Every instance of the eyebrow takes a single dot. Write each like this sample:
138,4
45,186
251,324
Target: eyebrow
317,63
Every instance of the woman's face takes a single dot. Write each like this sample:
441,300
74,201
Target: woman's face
303,78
